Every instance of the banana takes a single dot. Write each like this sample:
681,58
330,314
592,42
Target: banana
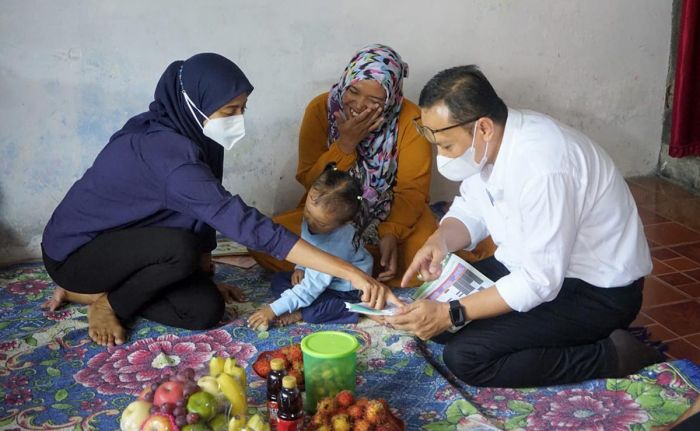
216,365
235,393
236,424
255,423
229,364
239,374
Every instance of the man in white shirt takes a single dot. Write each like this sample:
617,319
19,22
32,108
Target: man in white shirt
571,253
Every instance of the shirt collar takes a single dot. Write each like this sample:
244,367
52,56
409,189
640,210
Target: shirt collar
495,182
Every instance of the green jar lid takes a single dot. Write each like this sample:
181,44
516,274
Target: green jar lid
329,344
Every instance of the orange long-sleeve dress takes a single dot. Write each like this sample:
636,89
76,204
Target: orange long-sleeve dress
409,219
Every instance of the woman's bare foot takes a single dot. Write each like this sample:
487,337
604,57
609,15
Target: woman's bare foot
289,318
61,296
104,326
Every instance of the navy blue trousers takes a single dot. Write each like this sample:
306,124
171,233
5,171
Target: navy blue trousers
329,307
558,342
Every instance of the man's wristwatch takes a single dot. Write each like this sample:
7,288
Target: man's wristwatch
458,316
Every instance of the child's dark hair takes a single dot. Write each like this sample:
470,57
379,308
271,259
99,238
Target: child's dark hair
342,193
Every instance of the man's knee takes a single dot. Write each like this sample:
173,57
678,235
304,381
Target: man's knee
469,362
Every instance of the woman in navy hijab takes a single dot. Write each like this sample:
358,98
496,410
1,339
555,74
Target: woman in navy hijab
133,236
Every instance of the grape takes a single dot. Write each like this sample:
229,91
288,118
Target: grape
180,421
188,373
179,411
148,396
180,403
192,418
189,389
167,408
154,386
154,409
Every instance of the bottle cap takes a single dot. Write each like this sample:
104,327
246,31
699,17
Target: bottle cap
277,364
289,382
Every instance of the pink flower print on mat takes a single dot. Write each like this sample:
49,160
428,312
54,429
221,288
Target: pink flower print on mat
497,398
27,287
126,369
576,409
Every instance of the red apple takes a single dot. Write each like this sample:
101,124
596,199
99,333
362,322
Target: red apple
159,422
168,392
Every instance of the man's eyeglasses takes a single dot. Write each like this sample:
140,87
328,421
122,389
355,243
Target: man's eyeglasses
429,133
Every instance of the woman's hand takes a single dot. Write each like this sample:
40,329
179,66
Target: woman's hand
231,293
297,276
261,318
427,263
374,293
389,253
353,130
423,318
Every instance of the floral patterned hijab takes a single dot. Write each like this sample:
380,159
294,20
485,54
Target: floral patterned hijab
376,155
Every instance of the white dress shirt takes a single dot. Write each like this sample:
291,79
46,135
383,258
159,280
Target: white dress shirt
556,206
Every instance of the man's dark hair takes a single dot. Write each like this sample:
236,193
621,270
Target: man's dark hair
467,94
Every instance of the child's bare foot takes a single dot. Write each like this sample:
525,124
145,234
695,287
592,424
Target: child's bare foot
57,299
61,296
104,326
289,318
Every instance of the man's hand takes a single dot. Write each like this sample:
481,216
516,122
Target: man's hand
297,276
263,317
389,252
231,293
353,130
374,293
423,318
427,263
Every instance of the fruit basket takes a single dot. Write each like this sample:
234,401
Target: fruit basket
181,402
293,359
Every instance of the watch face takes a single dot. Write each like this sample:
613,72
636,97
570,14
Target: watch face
456,313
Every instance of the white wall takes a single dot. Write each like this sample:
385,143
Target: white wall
71,73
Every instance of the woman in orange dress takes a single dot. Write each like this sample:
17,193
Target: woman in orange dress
365,126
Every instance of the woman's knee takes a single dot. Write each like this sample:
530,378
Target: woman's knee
207,311
185,250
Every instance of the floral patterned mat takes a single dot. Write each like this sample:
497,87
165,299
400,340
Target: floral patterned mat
52,377
656,396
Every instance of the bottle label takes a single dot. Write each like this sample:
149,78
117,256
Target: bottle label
273,408
290,425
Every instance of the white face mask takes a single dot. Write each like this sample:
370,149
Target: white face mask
225,131
462,167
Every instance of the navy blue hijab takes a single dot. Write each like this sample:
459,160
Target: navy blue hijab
211,81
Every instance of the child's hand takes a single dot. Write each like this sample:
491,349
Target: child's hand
297,276
262,317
